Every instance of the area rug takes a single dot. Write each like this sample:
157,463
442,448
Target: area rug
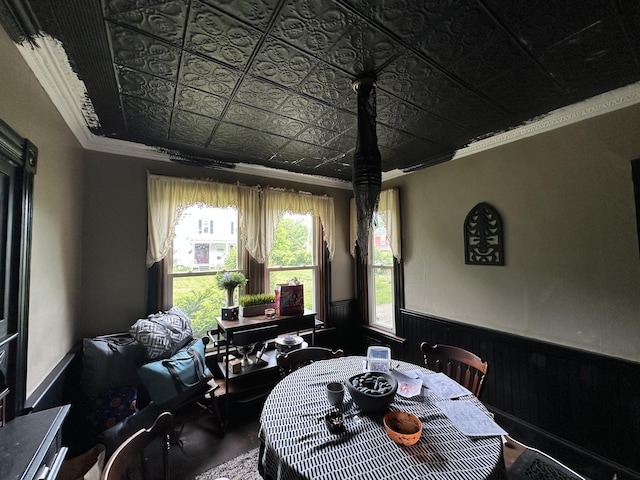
242,467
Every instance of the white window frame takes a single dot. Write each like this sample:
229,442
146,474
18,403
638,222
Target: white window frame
170,276
371,270
315,267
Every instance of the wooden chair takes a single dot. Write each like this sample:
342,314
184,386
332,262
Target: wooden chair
289,362
3,406
133,448
525,463
464,367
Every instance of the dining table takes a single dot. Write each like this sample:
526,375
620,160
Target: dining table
296,444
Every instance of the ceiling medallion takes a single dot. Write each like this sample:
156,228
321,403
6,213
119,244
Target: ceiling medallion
367,163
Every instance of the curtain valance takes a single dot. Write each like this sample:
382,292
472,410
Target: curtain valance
258,211
278,202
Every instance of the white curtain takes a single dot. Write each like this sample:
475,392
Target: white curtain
278,202
389,210
167,197
251,221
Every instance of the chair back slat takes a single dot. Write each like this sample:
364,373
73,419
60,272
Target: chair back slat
463,366
291,361
132,449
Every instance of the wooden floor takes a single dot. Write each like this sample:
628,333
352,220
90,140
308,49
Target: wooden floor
199,444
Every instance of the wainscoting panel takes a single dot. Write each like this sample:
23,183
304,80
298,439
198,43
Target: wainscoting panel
342,316
585,399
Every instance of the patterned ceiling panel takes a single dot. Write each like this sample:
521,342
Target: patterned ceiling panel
343,143
190,128
144,53
282,64
220,36
145,86
200,102
302,108
458,34
156,125
161,19
269,82
337,120
237,139
261,94
253,12
206,75
263,120
418,81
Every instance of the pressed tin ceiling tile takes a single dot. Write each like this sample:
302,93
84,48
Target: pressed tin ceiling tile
282,64
191,128
317,136
239,139
303,108
145,86
253,12
219,36
260,93
270,81
202,74
312,26
163,19
337,120
200,102
263,120
144,53
148,119
457,34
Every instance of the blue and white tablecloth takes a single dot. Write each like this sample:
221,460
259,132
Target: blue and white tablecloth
297,445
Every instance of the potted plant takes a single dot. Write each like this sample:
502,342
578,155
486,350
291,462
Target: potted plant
229,281
254,304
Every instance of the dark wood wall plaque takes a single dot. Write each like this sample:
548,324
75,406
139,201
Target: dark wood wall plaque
483,242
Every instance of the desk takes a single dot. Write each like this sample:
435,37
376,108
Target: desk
256,330
281,324
296,444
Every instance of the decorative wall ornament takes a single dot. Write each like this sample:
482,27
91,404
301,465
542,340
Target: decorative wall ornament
483,242
367,169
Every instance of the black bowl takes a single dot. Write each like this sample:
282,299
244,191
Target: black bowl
372,391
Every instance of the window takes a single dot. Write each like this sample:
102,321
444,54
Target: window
380,288
191,258
294,255
381,281
196,257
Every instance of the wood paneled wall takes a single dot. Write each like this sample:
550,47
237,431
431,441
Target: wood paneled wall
584,400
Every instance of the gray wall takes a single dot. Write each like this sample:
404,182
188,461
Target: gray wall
114,276
572,273
56,254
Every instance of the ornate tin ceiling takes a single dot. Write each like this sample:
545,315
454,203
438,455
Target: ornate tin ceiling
268,82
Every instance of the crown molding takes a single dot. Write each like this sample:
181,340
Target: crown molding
50,64
601,104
